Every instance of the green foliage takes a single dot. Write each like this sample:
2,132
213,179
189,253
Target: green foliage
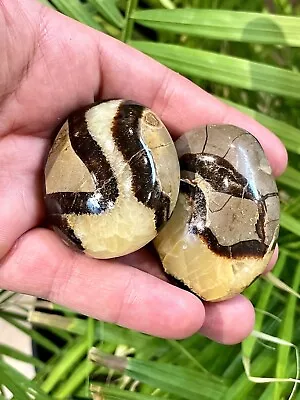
224,25
224,69
246,54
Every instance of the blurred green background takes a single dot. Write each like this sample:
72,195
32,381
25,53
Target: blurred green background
246,53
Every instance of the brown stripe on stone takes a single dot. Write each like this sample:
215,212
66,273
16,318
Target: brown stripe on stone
218,172
180,284
266,196
243,249
248,248
260,224
78,203
126,135
224,178
90,153
61,224
197,201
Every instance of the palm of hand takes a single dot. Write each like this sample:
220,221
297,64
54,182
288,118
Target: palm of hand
51,66
43,81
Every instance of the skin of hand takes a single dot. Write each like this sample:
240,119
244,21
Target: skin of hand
50,66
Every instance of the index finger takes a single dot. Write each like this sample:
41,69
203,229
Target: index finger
182,105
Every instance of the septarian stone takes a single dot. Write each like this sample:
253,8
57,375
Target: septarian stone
112,178
224,228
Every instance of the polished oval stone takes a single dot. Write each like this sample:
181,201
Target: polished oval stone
223,231
112,178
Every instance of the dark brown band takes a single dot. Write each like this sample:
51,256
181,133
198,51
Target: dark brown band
247,248
126,135
60,224
218,172
224,178
90,153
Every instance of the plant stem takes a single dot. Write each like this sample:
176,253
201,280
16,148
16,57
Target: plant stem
107,360
129,22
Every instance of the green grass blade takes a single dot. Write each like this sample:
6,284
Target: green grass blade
286,333
46,305
294,255
60,333
290,223
106,332
78,377
249,343
18,355
224,69
269,391
242,386
65,364
224,25
90,340
109,11
75,9
35,335
289,135
91,325
112,393
293,206
178,346
69,324
13,385
129,22
11,314
233,369
80,374
291,178
42,374
6,297
184,382
19,385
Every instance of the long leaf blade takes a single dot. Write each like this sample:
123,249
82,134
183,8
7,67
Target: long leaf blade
22,387
18,355
109,11
184,382
287,133
65,364
290,223
249,343
228,70
75,9
286,333
224,25
291,178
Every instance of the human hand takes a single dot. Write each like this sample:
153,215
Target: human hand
50,66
